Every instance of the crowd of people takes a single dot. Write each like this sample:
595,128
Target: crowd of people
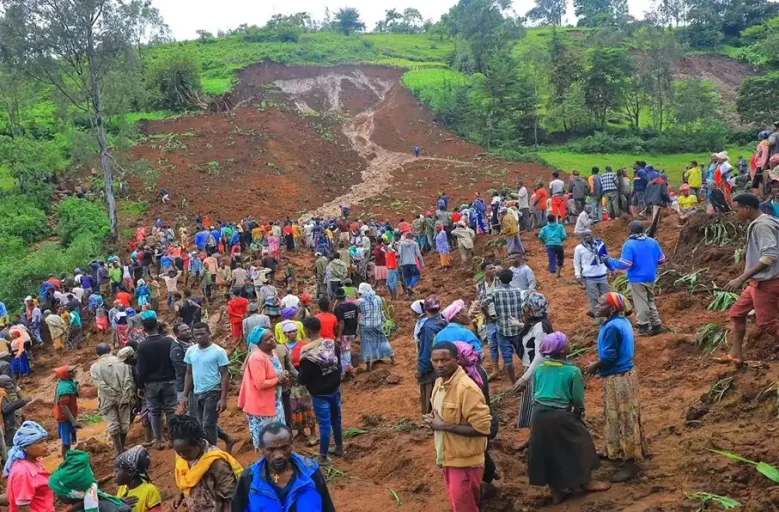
292,350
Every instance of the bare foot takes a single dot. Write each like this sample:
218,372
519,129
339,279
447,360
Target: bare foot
596,486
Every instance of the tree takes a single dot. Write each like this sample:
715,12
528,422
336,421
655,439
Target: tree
72,48
17,91
605,73
636,99
548,12
347,21
596,13
502,87
175,82
757,101
565,69
483,25
654,52
695,101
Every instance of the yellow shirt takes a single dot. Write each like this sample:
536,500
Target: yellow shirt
695,177
687,202
148,496
282,338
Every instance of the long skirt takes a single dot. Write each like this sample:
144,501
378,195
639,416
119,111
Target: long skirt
374,345
526,406
302,409
561,453
446,259
514,245
392,280
624,434
380,273
20,365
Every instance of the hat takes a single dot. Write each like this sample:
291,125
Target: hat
28,298
432,303
149,315
340,293
125,353
253,308
722,155
305,299
418,306
289,326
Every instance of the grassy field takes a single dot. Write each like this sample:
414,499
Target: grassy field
221,58
673,163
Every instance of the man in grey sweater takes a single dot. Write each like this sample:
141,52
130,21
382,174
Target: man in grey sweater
408,256
580,189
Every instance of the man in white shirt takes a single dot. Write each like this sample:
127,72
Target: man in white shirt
240,277
583,221
523,203
171,284
591,267
290,300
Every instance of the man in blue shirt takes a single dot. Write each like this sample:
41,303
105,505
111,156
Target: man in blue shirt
640,182
641,256
207,375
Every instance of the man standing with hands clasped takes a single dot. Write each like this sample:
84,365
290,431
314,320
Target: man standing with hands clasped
461,423
207,374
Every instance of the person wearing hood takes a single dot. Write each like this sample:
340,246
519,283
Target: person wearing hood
281,479
66,406
434,322
761,276
374,343
480,208
591,268
510,231
458,327
580,189
640,182
57,329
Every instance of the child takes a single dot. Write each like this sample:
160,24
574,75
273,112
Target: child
131,474
553,235
66,406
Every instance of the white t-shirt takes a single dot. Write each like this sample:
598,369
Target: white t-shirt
557,187
171,283
78,291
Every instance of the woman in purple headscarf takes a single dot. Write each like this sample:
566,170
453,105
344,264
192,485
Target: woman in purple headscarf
561,453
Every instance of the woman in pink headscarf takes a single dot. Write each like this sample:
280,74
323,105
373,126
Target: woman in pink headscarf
458,328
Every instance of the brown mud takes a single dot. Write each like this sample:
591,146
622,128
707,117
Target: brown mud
331,137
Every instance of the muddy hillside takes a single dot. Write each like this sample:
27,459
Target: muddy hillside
304,140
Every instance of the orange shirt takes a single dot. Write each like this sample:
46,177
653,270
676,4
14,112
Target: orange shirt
237,309
329,323
541,197
125,298
392,260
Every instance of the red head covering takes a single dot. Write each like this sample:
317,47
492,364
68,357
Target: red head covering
62,372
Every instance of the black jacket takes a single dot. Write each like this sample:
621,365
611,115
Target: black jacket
310,375
154,363
657,193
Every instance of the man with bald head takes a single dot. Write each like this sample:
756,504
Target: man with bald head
115,393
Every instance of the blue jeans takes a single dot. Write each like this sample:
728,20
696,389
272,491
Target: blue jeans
597,209
556,257
492,340
328,414
506,346
410,275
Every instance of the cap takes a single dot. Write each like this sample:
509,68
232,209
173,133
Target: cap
340,293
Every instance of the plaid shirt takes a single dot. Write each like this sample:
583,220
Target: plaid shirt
508,305
609,182
371,311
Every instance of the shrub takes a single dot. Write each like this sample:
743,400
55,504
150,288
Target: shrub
518,156
602,142
177,82
79,216
22,219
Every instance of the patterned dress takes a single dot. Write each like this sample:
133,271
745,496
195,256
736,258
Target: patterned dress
301,404
257,423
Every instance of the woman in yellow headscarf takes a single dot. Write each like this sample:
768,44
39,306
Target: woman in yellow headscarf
205,474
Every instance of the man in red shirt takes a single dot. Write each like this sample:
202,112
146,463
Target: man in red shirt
125,298
327,319
237,309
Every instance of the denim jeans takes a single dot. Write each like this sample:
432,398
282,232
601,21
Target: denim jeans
202,407
492,340
160,398
507,345
556,257
597,209
328,414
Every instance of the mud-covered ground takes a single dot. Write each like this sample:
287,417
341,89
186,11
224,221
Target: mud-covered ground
304,139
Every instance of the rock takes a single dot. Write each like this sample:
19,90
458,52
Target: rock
377,376
392,379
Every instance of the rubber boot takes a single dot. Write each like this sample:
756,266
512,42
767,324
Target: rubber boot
148,436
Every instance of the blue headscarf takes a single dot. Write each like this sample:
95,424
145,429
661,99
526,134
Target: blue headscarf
3,310
255,337
29,433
